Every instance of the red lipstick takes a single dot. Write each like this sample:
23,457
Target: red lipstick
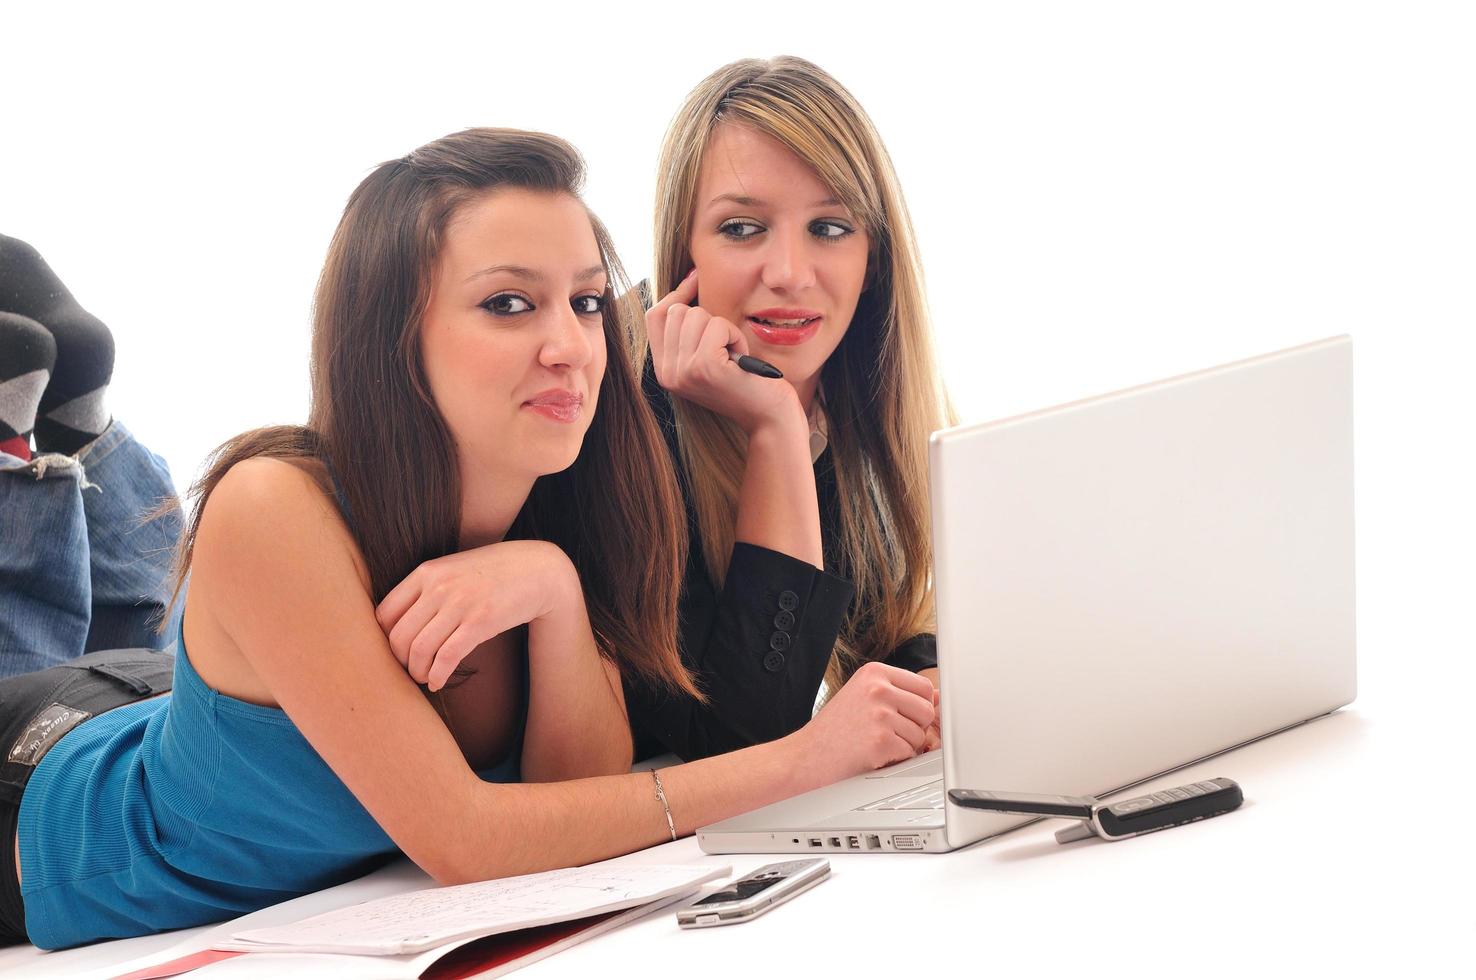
784,326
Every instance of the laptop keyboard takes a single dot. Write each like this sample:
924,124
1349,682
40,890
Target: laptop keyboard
928,796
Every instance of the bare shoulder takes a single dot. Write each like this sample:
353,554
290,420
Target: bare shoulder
284,507
266,486
270,538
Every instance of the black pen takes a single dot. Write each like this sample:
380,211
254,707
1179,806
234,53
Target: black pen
754,365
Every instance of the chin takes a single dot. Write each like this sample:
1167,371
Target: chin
796,364
552,460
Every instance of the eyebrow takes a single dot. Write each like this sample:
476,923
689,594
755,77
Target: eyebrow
533,275
754,202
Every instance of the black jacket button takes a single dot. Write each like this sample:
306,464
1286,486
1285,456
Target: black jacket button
779,641
784,620
788,601
774,661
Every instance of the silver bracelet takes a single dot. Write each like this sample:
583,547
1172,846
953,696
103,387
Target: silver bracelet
661,795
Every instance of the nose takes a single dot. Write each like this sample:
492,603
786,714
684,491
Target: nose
789,266
569,343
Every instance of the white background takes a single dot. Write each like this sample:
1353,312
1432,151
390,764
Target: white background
1105,194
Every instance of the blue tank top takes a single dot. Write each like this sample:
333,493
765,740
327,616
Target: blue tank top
182,810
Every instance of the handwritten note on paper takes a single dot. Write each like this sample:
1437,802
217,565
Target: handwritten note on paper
421,920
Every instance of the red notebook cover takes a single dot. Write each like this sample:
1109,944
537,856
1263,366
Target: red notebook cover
472,959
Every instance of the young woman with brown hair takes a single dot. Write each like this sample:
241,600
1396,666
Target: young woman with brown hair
781,232
458,513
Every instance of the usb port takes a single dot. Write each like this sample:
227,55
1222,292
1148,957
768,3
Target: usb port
833,841
907,842
853,842
872,842
816,842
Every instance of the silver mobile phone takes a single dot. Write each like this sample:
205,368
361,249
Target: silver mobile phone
754,894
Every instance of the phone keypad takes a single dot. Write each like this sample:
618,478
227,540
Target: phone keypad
1162,798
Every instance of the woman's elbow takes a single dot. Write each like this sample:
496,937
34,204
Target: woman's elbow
454,875
460,865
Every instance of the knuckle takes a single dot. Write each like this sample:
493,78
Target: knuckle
421,650
397,641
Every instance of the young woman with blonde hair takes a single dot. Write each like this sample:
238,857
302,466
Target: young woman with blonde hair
456,514
781,232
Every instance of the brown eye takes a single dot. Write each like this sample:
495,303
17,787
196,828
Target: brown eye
506,304
588,305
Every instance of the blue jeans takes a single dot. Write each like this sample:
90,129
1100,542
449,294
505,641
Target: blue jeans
81,566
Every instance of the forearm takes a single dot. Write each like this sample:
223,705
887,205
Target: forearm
876,720
576,724
777,503
537,827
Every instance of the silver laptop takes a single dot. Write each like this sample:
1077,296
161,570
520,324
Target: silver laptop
1125,585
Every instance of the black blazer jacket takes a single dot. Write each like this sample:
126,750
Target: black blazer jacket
759,647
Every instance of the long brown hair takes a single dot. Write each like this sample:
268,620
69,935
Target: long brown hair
374,423
882,393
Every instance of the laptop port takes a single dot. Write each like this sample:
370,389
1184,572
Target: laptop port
833,841
816,842
853,843
907,842
873,842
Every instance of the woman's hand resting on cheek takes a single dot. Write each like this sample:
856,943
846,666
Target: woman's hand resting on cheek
882,715
692,352
448,606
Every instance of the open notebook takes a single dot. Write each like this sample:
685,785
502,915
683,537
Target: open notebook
430,931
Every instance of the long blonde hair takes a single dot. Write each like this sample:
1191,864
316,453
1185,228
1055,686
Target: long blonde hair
882,393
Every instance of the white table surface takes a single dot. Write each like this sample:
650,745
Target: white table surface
1343,858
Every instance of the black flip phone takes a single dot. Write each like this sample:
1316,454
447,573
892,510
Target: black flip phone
1115,821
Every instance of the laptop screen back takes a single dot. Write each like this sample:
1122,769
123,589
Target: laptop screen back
1132,582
